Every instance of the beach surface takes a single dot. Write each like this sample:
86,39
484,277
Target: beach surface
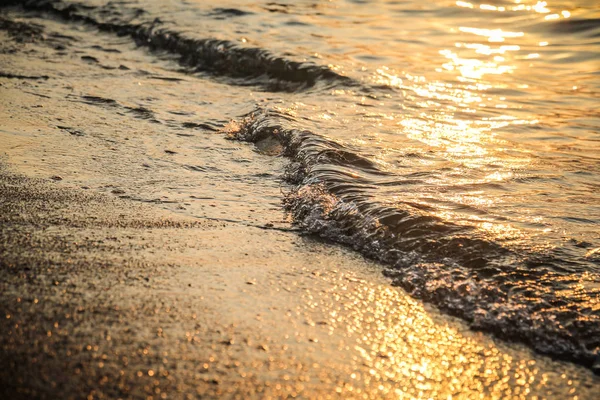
110,288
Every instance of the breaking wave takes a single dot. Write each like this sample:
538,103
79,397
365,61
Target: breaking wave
255,66
512,293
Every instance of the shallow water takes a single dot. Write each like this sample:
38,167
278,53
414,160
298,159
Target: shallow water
457,142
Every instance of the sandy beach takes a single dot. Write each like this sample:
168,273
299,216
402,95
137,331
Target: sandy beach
112,289
106,298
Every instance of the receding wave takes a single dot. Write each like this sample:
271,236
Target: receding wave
256,66
513,293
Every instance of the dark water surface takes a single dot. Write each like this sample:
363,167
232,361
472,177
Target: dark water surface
457,142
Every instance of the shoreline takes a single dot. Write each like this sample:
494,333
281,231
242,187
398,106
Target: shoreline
112,288
118,307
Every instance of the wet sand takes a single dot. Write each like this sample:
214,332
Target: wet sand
106,293
107,298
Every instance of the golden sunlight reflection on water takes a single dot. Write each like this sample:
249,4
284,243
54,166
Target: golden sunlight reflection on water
460,109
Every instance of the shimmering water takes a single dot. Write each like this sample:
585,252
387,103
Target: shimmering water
458,142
